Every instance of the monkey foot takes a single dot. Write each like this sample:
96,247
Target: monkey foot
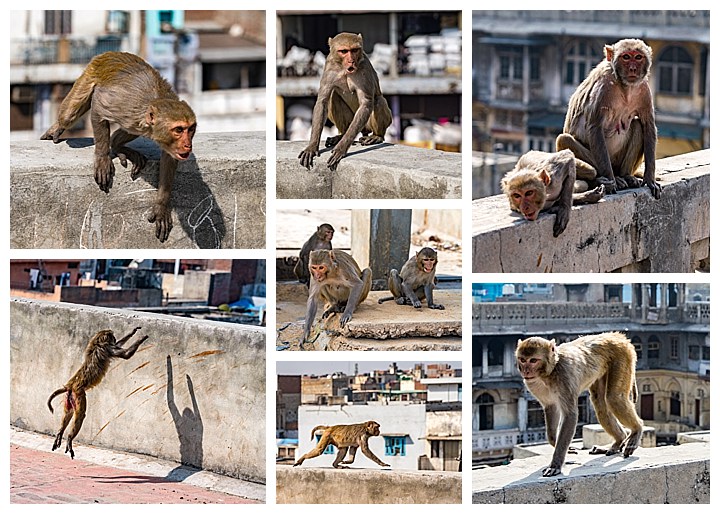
371,140
137,159
332,141
53,133
551,472
162,217
104,173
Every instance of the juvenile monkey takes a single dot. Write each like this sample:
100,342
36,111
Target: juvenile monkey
349,94
320,240
121,88
415,282
101,349
610,122
604,364
344,438
544,181
337,281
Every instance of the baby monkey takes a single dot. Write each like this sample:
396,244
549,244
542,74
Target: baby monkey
101,349
544,181
415,282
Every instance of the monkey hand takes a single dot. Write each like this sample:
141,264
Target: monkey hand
437,306
104,172
337,154
655,188
347,316
561,220
417,304
306,156
596,194
162,217
53,133
609,183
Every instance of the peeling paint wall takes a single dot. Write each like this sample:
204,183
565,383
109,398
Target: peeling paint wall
193,393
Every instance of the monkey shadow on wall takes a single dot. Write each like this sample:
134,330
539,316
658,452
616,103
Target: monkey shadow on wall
200,215
189,427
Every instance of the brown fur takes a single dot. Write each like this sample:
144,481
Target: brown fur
415,282
101,349
337,280
544,181
344,438
349,94
320,240
604,364
121,88
610,122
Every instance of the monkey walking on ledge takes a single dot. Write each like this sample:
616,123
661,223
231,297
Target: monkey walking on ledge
101,349
121,88
604,364
349,94
344,438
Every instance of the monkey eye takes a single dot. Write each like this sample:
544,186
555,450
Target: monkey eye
529,193
638,57
533,360
626,57
178,130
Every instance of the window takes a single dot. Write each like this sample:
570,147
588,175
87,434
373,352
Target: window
434,449
693,352
675,71
581,58
485,409
637,343
511,63
653,348
535,415
394,446
330,450
496,351
675,403
58,22
674,343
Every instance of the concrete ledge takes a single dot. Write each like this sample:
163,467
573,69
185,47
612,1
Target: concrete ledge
214,419
669,474
366,486
379,171
628,231
218,197
416,344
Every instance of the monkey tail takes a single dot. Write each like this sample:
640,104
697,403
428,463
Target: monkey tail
385,299
319,427
63,389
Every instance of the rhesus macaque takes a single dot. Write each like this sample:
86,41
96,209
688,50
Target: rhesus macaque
101,349
544,181
320,240
349,94
604,364
415,282
610,122
336,280
344,438
121,88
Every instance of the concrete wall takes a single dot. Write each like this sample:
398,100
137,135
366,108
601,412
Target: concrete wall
211,415
397,418
668,474
358,486
629,231
218,197
377,171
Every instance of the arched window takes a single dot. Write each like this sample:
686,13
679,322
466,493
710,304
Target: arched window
675,71
580,58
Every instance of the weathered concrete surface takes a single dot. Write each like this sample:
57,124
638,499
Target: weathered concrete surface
359,486
218,197
377,171
400,326
211,415
669,474
628,231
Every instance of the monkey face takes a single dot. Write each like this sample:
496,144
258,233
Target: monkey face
349,57
327,235
530,367
632,66
426,260
529,202
373,428
319,271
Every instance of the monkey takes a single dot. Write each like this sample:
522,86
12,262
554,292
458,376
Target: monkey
349,94
604,364
335,279
320,240
610,122
121,88
415,282
101,349
344,438
544,181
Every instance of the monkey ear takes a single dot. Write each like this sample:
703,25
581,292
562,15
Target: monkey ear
151,115
330,41
545,176
608,52
552,342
